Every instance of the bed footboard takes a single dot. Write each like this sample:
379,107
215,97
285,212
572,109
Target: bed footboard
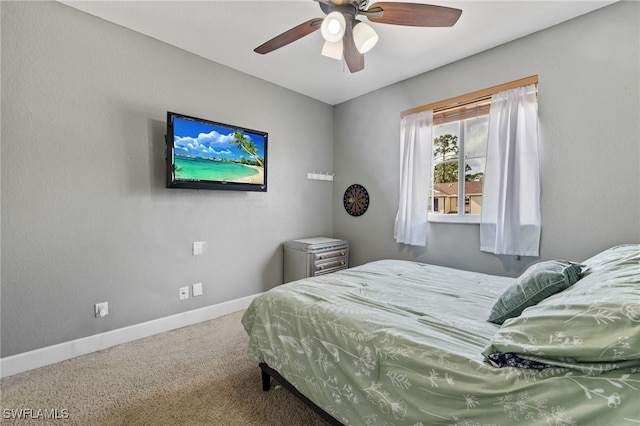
268,373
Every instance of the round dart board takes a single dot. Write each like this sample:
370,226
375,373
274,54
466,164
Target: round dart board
356,200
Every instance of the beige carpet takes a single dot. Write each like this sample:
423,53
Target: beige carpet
196,375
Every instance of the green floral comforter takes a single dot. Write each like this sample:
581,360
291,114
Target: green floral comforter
404,343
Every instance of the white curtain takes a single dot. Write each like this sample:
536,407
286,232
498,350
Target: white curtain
416,141
510,219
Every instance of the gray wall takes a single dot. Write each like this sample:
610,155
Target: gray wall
85,214
589,105
86,217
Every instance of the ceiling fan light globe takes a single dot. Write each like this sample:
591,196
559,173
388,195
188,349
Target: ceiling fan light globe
364,37
332,49
333,27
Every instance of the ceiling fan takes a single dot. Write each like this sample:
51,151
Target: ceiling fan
345,36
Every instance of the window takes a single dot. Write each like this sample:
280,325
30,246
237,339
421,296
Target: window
459,149
460,131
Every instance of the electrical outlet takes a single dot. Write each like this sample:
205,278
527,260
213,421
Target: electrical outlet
184,292
101,310
197,289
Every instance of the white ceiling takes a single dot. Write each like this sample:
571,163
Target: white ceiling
227,32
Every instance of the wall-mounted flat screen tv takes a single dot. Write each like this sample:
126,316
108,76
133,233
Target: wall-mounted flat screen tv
204,154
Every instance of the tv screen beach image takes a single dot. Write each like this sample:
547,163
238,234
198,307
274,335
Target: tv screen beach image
205,151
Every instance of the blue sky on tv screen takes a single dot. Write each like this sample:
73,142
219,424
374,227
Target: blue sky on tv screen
207,140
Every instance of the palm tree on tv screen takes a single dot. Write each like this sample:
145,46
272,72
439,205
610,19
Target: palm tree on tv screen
247,145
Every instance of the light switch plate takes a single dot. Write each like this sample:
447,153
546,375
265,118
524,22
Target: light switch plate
197,289
198,247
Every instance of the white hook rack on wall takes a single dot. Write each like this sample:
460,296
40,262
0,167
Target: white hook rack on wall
320,176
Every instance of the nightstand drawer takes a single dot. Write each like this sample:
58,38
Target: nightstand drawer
331,265
327,255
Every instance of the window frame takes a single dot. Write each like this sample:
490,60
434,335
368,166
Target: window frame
453,106
459,116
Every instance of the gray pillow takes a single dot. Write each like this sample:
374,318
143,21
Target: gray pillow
537,283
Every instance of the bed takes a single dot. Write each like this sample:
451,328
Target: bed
397,342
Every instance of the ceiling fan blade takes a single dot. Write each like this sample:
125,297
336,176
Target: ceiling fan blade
289,36
353,58
412,14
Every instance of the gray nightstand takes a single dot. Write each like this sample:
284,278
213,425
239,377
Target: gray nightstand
310,257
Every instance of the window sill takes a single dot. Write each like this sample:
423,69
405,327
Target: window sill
454,218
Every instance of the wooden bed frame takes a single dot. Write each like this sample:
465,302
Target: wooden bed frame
268,373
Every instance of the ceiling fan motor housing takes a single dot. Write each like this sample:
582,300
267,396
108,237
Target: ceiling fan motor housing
346,8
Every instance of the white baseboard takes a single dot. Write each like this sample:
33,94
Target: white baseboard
19,363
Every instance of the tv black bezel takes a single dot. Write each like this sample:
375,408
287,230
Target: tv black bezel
172,182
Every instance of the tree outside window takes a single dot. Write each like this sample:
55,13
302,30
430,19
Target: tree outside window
459,149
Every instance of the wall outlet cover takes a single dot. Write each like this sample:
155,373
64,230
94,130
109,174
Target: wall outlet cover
184,292
101,309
